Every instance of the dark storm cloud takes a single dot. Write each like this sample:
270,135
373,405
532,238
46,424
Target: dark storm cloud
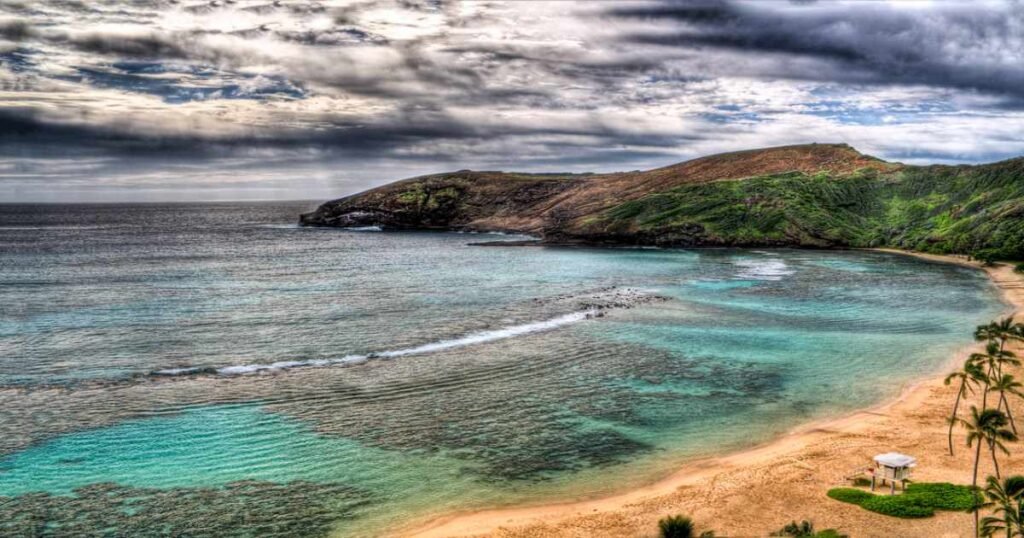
956,45
15,30
146,46
151,45
387,137
330,38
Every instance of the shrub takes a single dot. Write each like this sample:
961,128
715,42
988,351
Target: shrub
849,495
805,529
1019,268
898,506
986,257
944,496
919,500
676,527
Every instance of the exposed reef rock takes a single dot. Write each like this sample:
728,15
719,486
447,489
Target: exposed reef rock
816,195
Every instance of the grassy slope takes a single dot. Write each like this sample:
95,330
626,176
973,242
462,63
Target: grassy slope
938,209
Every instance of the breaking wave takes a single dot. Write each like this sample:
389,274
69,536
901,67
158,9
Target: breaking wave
350,360
763,269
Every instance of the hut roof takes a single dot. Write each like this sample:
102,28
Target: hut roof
895,459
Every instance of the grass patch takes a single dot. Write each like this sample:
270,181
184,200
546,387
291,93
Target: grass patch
850,495
920,500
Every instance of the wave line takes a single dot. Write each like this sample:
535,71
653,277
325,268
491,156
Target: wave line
350,360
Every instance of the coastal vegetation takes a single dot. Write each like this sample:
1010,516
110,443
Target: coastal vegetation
968,377
1006,498
805,529
678,526
934,210
816,195
919,500
992,428
989,428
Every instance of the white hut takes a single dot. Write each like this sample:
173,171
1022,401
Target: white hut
892,466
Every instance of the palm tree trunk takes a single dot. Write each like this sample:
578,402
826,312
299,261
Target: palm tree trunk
984,394
995,462
952,418
974,484
1005,402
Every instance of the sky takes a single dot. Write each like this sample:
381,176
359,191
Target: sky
182,100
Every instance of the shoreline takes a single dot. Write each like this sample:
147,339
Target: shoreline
755,490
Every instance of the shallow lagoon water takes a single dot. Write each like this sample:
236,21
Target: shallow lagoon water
97,298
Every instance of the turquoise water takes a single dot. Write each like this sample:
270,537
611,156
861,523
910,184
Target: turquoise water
215,369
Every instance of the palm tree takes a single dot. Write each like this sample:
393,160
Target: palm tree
1006,384
1001,331
1008,498
676,527
992,361
987,426
971,374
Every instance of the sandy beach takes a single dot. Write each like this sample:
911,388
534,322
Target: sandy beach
757,491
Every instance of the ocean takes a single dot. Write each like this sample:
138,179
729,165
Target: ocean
216,370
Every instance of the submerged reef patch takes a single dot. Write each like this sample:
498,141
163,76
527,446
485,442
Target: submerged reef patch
239,509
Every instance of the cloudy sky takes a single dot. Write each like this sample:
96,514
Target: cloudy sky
283,99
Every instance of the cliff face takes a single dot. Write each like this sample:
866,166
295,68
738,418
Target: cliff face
816,195
485,201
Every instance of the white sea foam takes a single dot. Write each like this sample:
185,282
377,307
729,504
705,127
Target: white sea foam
350,360
365,229
177,371
763,269
280,226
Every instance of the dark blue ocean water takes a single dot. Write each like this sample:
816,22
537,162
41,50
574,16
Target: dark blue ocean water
215,367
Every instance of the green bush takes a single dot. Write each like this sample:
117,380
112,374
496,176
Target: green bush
849,495
800,530
919,500
986,257
805,529
1019,268
898,506
944,496
676,527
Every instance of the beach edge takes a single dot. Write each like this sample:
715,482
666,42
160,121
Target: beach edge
911,400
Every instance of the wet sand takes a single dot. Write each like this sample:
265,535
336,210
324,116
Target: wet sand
757,491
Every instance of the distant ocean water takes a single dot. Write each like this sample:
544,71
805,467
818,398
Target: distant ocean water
214,367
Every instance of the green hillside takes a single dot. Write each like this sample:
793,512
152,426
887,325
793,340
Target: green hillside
936,209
